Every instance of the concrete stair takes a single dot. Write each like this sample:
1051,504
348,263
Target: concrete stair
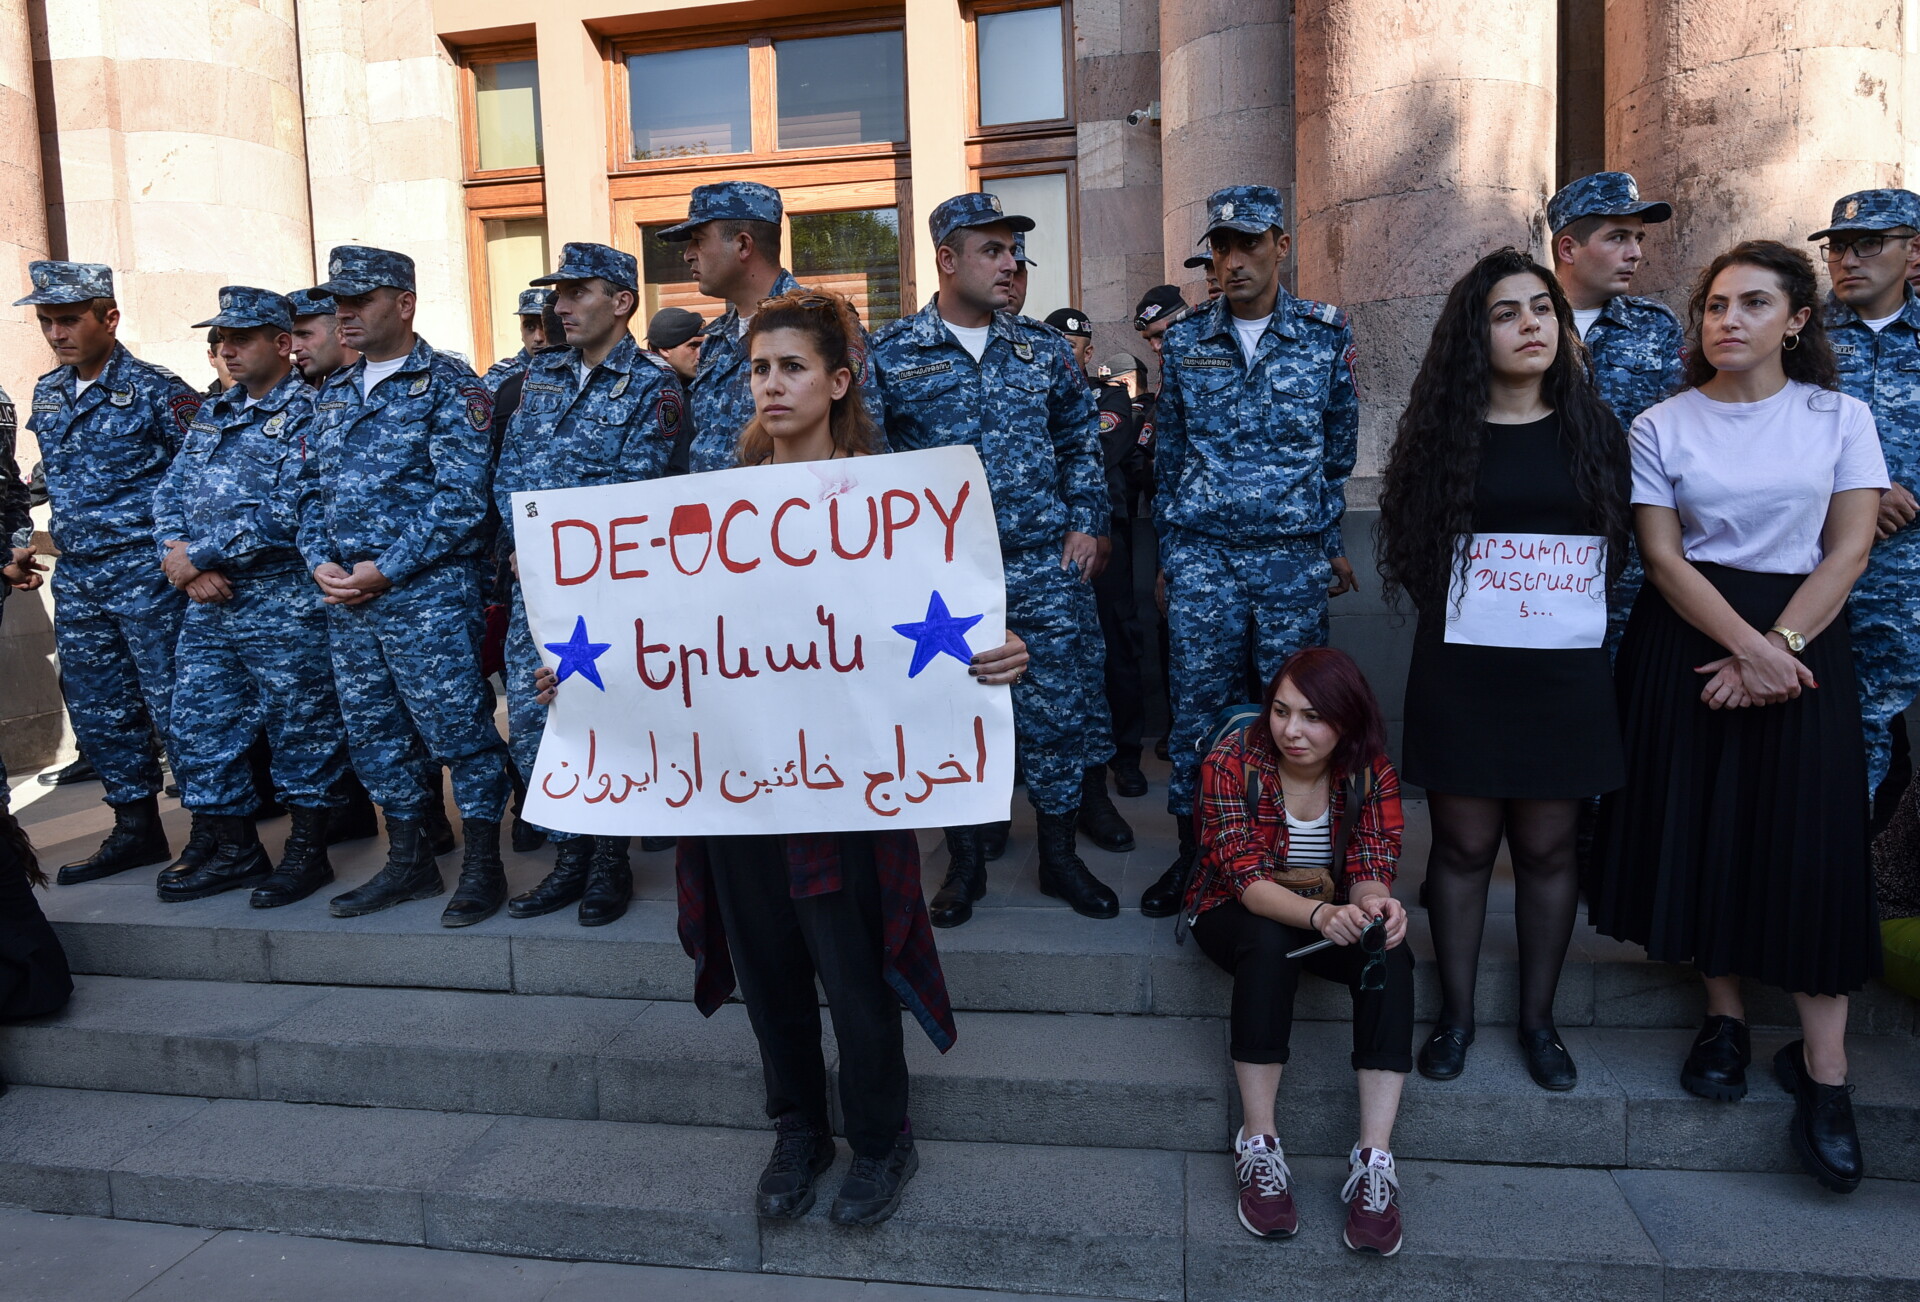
539,1089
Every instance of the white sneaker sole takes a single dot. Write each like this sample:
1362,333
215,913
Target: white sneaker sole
1388,1253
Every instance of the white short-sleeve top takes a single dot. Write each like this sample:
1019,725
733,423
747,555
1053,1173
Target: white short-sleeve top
1751,480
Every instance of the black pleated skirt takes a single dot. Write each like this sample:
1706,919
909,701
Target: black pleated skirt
1739,842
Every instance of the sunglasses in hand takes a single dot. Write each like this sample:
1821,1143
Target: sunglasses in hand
1373,942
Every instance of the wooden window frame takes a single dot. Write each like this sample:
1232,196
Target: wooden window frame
1016,130
1065,165
470,58
479,276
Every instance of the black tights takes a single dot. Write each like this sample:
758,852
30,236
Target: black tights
1466,837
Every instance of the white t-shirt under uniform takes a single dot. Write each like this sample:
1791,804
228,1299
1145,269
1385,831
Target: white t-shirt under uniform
1752,480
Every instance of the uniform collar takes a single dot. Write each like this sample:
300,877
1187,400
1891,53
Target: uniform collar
232,401
930,328
624,357
727,326
1614,310
1219,319
419,358
1839,314
112,379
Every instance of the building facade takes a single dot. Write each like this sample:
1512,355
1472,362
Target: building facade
195,143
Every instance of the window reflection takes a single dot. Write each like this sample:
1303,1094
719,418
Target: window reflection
1043,198
690,103
667,281
506,102
1022,66
841,90
852,253
516,253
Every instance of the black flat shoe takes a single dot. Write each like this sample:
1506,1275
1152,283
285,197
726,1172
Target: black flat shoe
801,1155
1548,1061
871,1192
1822,1128
1716,1066
1444,1055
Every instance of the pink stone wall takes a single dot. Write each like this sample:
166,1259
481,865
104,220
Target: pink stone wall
1117,70
23,207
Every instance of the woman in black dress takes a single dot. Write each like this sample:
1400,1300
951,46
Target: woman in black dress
1504,434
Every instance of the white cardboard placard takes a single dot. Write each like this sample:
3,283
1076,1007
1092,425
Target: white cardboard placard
769,649
1544,591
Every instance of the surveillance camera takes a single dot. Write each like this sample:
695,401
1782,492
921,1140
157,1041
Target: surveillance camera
1141,116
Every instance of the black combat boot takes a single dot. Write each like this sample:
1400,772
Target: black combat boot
304,866
993,840
137,839
199,848
966,878
436,830
1064,876
1128,780
609,886
483,879
238,859
1162,899
1098,818
355,820
409,874
561,887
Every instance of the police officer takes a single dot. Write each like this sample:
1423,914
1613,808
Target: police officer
1255,433
391,530
253,645
964,370
1638,346
1873,323
1021,263
532,339
108,424
317,350
1204,262
1113,589
676,334
1157,310
598,411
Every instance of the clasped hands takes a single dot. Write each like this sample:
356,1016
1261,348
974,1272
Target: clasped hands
203,586
1343,923
342,587
1769,675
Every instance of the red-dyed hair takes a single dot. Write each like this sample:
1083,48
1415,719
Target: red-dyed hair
1340,693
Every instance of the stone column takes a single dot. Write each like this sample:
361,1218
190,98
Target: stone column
1426,139
1226,114
23,206
181,157
1117,70
1752,118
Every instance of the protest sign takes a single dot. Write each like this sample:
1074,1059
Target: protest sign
1546,591
769,649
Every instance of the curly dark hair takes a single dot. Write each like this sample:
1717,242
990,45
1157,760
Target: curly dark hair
15,846
829,319
1811,361
1426,501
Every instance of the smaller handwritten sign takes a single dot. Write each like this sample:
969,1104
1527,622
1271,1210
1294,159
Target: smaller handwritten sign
1543,591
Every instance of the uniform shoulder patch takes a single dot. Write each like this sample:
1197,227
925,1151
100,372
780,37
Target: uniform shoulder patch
1109,421
669,410
184,406
479,405
1324,313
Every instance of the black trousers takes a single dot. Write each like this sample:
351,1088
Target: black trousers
1254,949
779,945
1114,598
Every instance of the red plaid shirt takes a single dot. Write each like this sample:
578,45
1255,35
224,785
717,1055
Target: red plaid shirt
1236,851
813,868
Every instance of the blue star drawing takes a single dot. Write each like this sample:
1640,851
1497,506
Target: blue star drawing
577,654
938,633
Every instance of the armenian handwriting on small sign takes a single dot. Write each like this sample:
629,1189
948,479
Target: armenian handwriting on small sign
1544,591
773,649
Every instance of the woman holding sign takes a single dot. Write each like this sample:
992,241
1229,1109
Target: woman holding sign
1739,843
1504,518
843,908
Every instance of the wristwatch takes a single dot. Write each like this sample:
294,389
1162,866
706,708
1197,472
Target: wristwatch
1795,643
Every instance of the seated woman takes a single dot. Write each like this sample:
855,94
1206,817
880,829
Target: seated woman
843,907
1299,833
33,968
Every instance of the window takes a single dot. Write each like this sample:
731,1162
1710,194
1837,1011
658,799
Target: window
506,99
851,253
1049,249
1021,66
841,90
690,103
516,253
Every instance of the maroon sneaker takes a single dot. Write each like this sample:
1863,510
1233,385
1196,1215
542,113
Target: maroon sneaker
1266,1195
1372,1196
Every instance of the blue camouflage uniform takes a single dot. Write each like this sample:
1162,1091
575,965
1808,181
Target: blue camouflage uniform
16,524
1883,370
258,660
1027,408
1250,471
616,428
720,397
403,480
532,303
116,618
1638,346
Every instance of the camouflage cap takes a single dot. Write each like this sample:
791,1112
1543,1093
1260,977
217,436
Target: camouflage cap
1873,210
355,269
243,306
1604,194
310,302
582,261
1198,260
1071,321
734,201
976,209
1253,209
533,302
67,282
1020,250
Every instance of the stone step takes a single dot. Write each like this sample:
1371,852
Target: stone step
1076,1221
1022,1078
1013,959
